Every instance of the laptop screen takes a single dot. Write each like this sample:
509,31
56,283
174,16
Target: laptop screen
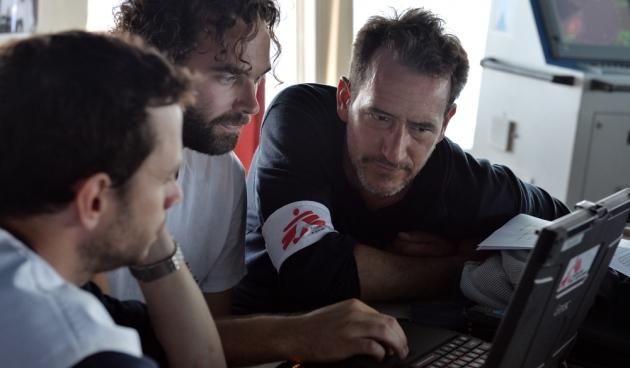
559,284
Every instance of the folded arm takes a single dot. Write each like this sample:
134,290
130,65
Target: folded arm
389,276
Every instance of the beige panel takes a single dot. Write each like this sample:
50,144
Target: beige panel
333,39
59,15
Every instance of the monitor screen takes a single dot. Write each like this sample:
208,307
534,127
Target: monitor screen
578,33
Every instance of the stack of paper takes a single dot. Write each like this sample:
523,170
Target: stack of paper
521,232
518,233
621,260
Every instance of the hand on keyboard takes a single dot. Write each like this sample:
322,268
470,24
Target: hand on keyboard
348,328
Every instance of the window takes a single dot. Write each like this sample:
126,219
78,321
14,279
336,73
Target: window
466,19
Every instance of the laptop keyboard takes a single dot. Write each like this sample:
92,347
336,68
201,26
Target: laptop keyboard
462,351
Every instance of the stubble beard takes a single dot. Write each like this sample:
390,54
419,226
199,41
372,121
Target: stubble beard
118,244
360,166
200,134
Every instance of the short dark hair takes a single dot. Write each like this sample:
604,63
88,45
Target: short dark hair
419,40
73,104
175,27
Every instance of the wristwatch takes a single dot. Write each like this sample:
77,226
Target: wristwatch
159,269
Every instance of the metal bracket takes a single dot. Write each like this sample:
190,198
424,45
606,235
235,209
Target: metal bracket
593,208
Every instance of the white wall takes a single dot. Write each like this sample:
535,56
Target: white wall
545,114
100,14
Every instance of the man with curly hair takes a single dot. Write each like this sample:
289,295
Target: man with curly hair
228,44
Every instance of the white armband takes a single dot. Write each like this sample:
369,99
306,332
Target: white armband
293,227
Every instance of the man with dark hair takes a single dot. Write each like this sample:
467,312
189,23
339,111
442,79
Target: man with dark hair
89,149
228,44
355,191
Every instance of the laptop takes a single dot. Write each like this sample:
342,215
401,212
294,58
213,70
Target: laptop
557,288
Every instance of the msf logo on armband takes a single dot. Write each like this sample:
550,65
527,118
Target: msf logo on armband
293,227
301,224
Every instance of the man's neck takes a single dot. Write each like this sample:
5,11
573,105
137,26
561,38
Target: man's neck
52,246
11,229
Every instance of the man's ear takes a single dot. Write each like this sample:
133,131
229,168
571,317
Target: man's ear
92,199
343,98
447,117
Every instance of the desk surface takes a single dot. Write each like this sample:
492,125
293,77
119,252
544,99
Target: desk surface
268,365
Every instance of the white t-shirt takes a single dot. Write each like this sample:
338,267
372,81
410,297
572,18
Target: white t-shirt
208,224
47,322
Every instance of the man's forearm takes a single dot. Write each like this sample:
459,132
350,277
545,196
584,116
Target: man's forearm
258,339
390,276
178,312
328,334
182,321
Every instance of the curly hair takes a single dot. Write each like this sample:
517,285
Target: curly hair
418,39
73,104
175,26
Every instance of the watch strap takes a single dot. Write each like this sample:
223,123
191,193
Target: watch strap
159,269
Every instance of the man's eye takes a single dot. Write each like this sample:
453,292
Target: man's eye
419,128
227,78
379,117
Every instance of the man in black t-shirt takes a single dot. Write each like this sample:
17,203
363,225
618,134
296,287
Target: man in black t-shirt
355,191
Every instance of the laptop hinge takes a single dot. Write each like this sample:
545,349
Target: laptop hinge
593,208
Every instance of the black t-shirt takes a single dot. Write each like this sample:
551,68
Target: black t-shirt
300,158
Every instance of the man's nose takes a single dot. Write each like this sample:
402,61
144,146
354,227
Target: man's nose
173,196
247,103
394,146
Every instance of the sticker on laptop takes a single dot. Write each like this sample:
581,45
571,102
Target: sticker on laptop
577,271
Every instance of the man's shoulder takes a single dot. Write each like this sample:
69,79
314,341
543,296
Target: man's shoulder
447,145
52,322
449,153
303,116
25,275
453,155
306,95
313,90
